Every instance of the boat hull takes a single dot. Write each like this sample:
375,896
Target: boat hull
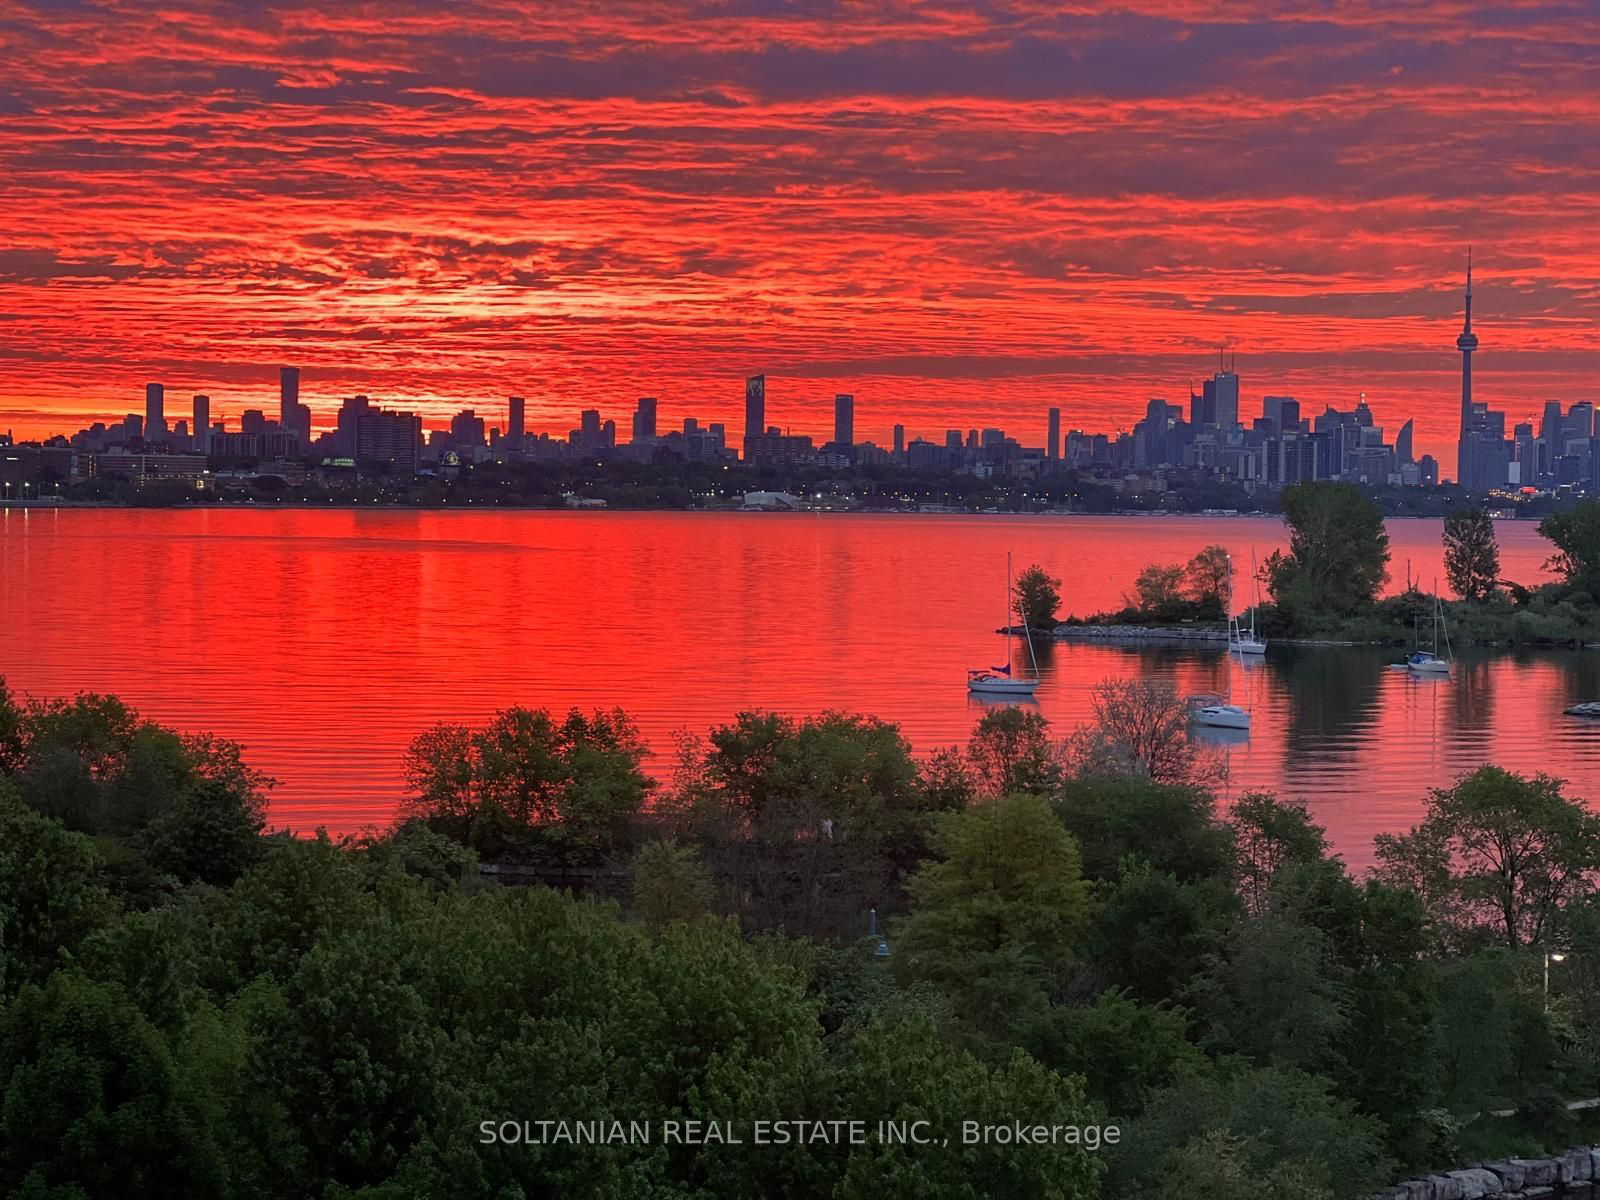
1002,687
1248,646
1221,716
1429,668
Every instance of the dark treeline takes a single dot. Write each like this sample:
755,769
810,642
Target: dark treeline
1076,933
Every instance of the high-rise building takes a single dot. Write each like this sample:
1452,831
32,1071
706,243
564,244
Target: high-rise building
899,439
202,424
644,420
390,438
844,419
155,416
1467,342
344,437
952,440
516,421
293,417
466,430
1283,412
1402,444
253,421
1052,442
755,407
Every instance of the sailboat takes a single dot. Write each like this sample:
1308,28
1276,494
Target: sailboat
1238,639
998,681
1425,662
1219,711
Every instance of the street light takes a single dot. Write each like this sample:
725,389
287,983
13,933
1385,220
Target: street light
1550,956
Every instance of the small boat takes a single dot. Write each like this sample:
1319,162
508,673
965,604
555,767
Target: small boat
999,681
1589,708
1428,662
1217,712
1239,641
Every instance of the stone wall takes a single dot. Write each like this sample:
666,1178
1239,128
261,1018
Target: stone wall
1575,1174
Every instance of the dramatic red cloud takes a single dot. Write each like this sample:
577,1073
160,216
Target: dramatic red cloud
962,214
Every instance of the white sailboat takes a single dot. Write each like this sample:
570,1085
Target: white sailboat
999,681
1424,662
1238,639
1219,711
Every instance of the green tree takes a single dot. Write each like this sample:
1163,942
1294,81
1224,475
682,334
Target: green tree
805,823
1158,591
899,1071
1169,827
1471,555
1284,1120
93,1103
1499,854
1207,580
1036,597
1123,1050
1007,878
1155,935
670,883
1274,997
1011,751
1270,834
1216,1166
528,784
1338,551
1141,727
1575,533
50,899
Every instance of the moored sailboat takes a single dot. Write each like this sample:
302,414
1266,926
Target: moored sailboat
999,681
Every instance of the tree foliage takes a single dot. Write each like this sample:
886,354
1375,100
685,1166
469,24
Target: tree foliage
1497,855
1471,555
1575,533
528,784
1141,727
1036,598
1338,550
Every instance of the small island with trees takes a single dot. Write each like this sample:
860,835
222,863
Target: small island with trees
1327,586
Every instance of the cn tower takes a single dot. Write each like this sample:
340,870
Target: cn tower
1466,343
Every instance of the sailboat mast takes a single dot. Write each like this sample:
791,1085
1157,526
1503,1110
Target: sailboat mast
1027,630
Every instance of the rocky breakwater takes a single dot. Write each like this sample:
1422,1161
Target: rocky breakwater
1575,1174
1141,633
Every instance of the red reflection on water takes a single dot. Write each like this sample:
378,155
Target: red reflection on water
325,640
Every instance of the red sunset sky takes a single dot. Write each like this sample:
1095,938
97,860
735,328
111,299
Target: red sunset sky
960,213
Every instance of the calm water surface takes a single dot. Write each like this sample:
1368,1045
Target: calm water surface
325,640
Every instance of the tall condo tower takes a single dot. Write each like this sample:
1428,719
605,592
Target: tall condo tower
755,406
1466,343
155,416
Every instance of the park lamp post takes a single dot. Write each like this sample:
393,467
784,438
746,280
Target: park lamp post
1550,956
881,950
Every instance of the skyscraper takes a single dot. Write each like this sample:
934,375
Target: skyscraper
516,421
755,407
293,417
844,419
1466,343
1052,444
644,420
202,424
155,415
1282,411
899,439
1402,444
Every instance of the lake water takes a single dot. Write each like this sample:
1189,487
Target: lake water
325,640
